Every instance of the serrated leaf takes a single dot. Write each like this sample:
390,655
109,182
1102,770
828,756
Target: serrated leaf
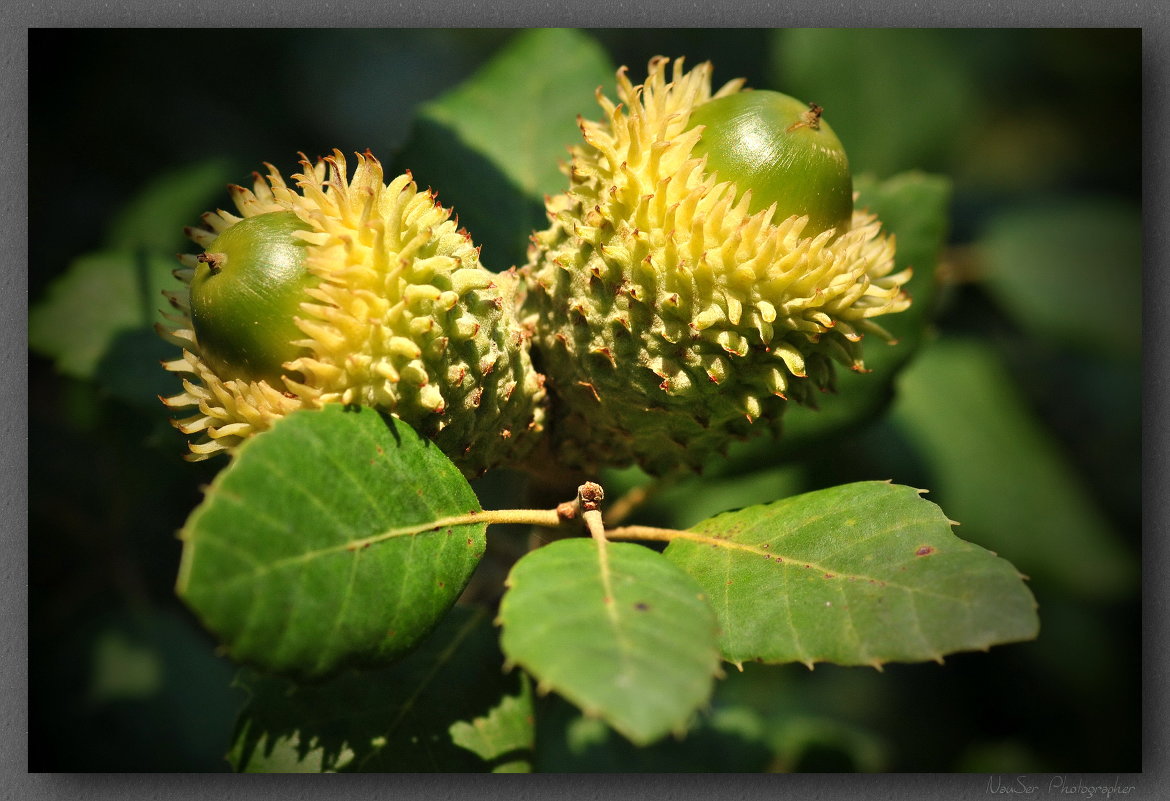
913,207
390,719
506,731
622,633
491,146
999,472
859,574
337,538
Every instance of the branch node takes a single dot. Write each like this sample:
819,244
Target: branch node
590,496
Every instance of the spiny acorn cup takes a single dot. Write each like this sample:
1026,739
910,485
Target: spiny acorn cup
343,289
704,268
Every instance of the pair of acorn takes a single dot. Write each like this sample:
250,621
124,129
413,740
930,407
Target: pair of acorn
705,267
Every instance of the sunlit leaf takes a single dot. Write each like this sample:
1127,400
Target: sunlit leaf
337,538
622,633
859,574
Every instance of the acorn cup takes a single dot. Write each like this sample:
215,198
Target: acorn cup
342,289
705,267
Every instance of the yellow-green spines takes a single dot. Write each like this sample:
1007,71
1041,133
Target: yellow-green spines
669,317
398,315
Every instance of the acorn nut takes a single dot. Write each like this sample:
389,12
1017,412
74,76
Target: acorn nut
245,294
783,151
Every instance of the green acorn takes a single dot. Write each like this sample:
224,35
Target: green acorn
782,151
704,269
246,293
343,289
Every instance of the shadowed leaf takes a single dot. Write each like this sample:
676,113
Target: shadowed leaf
491,146
390,719
504,736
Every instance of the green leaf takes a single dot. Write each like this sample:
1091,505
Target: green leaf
155,218
491,146
620,632
913,207
337,538
860,574
719,740
390,719
96,321
1002,476
101,297
799,740
506,731
897,98
1058,265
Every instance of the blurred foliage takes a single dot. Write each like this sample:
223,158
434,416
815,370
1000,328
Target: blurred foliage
1022,418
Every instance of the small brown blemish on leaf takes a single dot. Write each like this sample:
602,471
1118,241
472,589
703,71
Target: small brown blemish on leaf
641,607
470,541
925,550
442,584
392,632
830,575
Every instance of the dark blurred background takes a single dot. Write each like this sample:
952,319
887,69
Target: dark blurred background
1022,416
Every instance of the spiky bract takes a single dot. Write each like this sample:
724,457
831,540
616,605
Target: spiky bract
401,316
668,318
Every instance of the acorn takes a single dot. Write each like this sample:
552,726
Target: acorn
345,289
780,150
705,268
245,294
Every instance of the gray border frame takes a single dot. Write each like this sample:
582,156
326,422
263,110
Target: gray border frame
15,782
